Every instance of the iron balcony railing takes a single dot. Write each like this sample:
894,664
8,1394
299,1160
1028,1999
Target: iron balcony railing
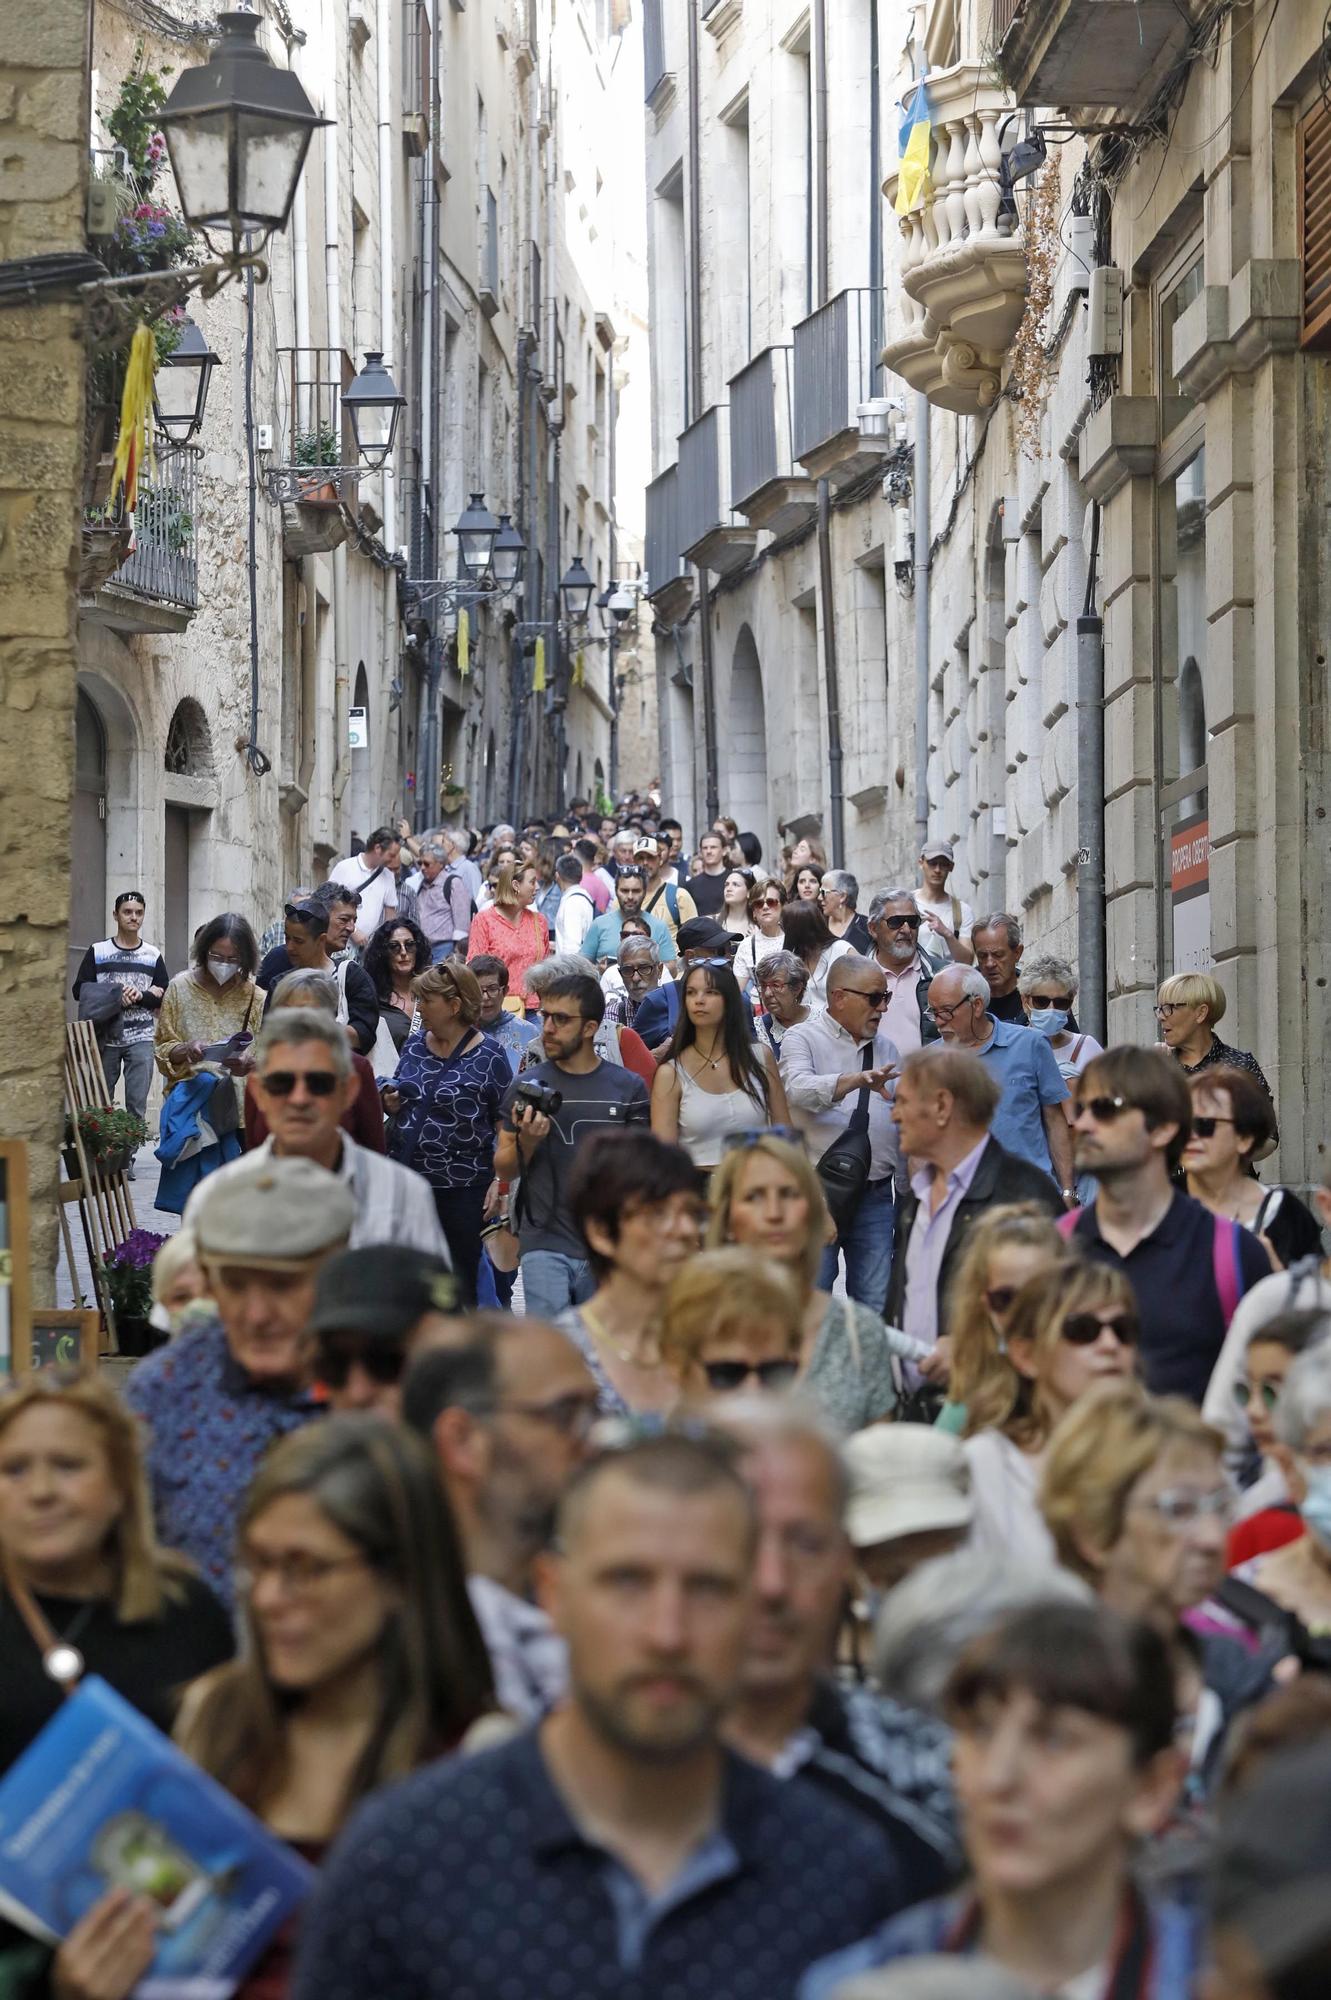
164,562
664,562
1005,12
653,44
761,420
836,366
702,507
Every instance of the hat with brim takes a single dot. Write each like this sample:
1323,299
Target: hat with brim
702,934
906,1479
938,850
281,1214
379,1293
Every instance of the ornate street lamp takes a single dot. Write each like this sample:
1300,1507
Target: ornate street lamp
180,386
509,554
374,405
576,589
237,130
477,531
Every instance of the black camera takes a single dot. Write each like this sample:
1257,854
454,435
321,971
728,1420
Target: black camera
540,1097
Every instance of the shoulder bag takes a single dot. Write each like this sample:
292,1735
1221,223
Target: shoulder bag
844,1168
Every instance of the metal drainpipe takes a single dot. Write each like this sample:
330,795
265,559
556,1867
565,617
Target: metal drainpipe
831,669
923,566
612,640
341,770
516,745
710,771
1091,956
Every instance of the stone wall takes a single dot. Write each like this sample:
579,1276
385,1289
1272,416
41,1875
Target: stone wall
43,141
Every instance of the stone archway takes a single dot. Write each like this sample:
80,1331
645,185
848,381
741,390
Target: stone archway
744,770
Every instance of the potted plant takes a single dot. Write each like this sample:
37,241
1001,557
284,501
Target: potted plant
128,1272
110,1136
314,448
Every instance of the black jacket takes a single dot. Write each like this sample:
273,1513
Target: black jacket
1001,1176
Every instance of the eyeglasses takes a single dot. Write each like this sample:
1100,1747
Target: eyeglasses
1084,1329
940,1014
1039,1001
999,1298
875,996
902,923
337,1358
297,1572
1268,1391
1203,1124
744,1142
1104,1110
1180,1507
281,1082
1165,1008
571,1416
724,1377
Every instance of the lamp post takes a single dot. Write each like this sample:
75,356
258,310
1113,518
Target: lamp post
237,131
576,588
477,531
508,554
374,404
180,386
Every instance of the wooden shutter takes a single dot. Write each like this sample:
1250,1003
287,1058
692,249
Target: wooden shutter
1314,198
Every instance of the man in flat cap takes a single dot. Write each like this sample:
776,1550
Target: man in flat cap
216,1398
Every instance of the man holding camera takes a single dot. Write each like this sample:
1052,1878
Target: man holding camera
547,1113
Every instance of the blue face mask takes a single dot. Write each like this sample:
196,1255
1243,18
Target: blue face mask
1316,1505
1047,1021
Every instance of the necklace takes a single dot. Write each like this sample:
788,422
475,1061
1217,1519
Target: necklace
607,1339
710,1062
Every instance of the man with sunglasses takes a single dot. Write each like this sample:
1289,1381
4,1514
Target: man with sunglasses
1188,1267
838,1068
373,1309
894,925
506,1412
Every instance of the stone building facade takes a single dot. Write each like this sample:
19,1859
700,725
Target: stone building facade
1159,485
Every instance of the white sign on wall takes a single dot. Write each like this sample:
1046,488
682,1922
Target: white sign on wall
358,728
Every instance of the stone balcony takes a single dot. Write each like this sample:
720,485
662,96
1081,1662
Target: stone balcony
963,252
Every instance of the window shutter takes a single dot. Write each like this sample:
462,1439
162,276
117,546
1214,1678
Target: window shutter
1314,195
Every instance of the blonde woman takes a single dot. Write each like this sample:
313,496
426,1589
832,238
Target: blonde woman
732,1320
76,1535
767,1198
1188,1008
1007,1247
1070,1327
510,928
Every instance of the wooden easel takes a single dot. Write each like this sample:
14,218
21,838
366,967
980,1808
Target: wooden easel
105,1204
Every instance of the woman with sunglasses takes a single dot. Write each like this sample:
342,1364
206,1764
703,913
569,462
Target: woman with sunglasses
767,901
394,955
716,1079
1296,1578
444,1103
1264,1515
1232,1122
731,1320
1070,1327
766,1197
1006,1248
362,1659
637,1204
807,935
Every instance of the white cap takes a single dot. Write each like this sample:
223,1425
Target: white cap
905,1479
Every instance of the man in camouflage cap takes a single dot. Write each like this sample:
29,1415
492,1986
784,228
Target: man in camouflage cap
216,1398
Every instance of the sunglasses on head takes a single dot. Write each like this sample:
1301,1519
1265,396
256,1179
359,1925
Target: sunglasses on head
1205,1122
1041,1000
1084,1329
337,1358
742,1142
281,1082
724,1377
1269,1393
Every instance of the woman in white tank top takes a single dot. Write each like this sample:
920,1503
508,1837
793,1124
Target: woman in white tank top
716,1081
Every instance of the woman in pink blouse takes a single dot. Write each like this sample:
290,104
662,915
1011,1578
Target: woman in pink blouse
511,929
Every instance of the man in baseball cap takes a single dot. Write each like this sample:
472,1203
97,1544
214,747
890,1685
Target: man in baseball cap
949,920
373,1310
702,940
910,1499
216,1398
664,897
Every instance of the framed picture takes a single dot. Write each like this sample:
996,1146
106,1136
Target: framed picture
15,1255
61,1340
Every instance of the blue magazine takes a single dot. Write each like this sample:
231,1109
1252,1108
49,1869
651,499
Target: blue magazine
102,1800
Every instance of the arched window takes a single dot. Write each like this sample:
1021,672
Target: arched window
1191,717
188,751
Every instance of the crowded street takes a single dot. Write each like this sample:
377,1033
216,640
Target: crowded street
665,1309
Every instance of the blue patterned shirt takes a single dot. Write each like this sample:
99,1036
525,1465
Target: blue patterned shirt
514,1036
472,1878
448,1134
209,1425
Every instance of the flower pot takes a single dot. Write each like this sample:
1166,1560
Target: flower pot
135,1335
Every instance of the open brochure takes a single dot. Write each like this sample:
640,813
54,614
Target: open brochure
102,1800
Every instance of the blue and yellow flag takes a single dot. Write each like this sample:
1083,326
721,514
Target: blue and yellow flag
916,139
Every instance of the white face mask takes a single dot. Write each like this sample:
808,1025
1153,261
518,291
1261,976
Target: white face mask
222,969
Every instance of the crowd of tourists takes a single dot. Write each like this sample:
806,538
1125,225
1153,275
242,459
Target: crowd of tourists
704,1440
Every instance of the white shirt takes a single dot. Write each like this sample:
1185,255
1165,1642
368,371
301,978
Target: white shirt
379,895
815,993
393,1203
1006,1521
753,951
573,919
814,1053
942,909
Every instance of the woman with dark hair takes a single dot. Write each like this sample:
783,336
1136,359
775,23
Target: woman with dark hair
213,999
394,955
716,1080
362,1657
751,848
808,935
735,892
637,1203
1233,1122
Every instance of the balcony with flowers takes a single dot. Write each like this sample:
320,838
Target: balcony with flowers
963,249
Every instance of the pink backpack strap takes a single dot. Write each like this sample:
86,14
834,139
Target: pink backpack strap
1067,1222
1225,1262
